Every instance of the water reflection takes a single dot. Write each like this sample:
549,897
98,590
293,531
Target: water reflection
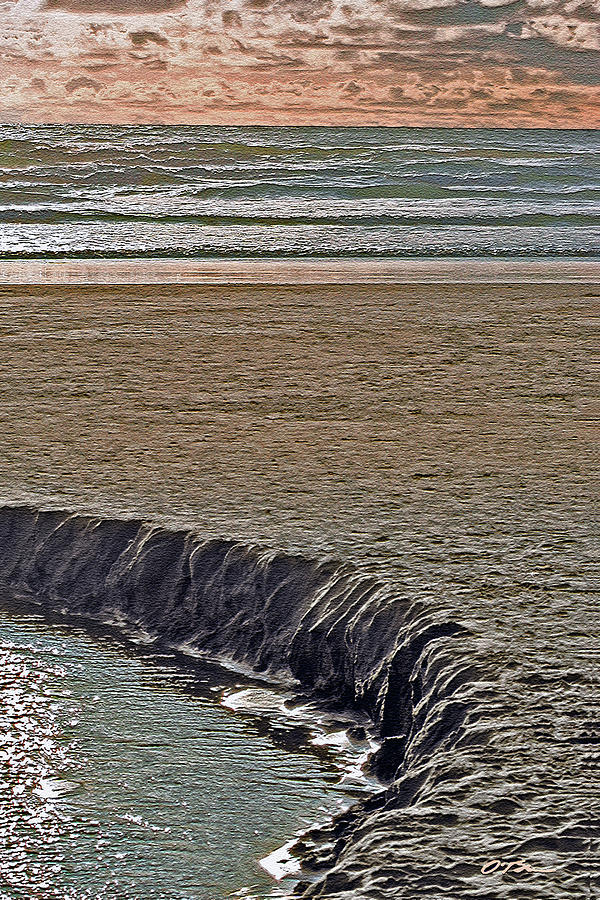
121,776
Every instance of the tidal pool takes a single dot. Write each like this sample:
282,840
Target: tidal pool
122,776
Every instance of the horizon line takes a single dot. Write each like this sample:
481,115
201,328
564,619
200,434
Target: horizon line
297,126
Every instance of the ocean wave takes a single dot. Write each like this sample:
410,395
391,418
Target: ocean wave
239,179
181,241
531,220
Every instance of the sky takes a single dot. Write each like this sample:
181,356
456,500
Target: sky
493,63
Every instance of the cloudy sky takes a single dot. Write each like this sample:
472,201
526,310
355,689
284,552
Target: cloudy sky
415,62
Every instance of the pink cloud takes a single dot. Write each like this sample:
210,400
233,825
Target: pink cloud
393,61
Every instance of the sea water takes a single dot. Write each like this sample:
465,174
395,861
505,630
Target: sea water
123,776
206,192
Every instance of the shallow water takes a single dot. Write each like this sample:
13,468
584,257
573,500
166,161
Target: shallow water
122,776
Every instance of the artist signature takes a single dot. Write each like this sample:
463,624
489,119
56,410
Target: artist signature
516,866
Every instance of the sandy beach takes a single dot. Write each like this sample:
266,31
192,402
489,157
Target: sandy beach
298,415
384,490
314,271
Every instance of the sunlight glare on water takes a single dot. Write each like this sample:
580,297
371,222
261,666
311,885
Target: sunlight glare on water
121,777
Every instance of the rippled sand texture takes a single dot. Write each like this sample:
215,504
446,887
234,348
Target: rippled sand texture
444,438
440,432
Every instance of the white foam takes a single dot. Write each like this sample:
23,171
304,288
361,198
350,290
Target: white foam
231,665
335,739
349,756
53,788
280,864
255,700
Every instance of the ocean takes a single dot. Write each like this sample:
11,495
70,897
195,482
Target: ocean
228,192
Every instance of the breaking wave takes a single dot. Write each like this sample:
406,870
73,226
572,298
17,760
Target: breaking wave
193,191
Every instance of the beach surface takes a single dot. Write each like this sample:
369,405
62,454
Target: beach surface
385,491
310,271
369,420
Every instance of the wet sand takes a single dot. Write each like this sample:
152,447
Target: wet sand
367,421
284,271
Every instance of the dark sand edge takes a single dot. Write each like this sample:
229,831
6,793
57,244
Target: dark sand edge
272,272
